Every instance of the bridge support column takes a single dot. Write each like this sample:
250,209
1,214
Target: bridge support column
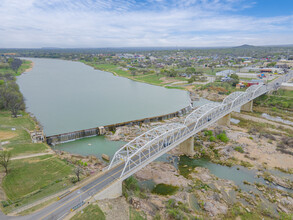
111,192
225,120
187,147
247,107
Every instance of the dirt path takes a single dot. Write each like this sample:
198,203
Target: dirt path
260,120
31,155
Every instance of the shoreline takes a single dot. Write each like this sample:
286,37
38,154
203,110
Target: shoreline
32,64
134,79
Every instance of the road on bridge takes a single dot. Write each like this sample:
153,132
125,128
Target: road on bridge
60,209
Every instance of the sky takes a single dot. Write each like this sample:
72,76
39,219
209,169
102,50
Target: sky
144,23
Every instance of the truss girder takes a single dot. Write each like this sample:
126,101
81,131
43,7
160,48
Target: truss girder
232,97
154,146
155,141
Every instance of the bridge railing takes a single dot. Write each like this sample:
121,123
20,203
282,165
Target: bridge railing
148,146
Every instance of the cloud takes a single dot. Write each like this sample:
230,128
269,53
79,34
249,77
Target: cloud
122,23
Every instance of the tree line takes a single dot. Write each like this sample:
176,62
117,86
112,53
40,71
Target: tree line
10,97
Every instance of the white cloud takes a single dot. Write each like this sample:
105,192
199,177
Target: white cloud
113,23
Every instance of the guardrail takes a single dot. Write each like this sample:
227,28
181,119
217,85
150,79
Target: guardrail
64,194
77,206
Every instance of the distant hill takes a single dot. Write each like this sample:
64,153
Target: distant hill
245,46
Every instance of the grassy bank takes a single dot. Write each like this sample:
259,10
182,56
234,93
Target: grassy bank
29,179
90,212
5,68
150,78
15,131
281,99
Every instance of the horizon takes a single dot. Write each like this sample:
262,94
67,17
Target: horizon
145,23
147,47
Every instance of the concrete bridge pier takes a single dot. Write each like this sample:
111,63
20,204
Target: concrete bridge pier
187,147
111,192
225,121
247,107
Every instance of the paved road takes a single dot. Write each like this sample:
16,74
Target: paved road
61,208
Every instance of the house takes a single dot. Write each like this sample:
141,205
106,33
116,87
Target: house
266,71
225,73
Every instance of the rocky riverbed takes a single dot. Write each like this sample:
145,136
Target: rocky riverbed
263,146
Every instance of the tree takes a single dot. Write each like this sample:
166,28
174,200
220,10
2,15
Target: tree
190,70
132,70
235,78
272,64
5,159
16,103
78,171
15,64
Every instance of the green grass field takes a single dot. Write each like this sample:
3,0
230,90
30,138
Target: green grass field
34,178
30,175
20,140
110,68
151,79
31,179
89,213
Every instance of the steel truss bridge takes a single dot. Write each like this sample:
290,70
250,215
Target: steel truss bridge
152,144
147,147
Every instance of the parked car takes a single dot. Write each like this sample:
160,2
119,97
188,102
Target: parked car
226,79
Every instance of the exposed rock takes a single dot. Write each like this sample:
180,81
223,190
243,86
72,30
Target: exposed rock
105,157
161,172
282,209
214,208
115,208
287,201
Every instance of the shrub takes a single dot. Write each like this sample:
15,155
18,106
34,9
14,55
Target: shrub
131,184
208,133
223,137
212,138
246,164
73,179
239,149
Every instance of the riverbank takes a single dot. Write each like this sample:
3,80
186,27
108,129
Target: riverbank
29,178
251,180
29,68
32,169
153,79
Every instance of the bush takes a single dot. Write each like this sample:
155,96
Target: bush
239,149
246,164
5,203
73,180
131,184
223,137
165,189
208,133
212,138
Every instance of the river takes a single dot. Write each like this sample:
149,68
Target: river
67,96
